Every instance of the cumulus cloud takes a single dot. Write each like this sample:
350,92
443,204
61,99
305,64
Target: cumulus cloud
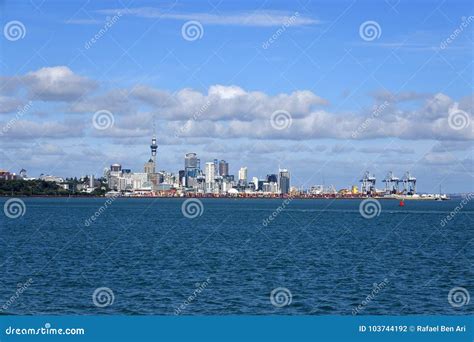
56,84
9,104
384,95
23,129
230,111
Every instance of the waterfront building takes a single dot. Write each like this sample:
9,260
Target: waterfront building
223,168
191,169
50,178
243,175
272,178
216,168
181,179
283,181
255,183
210,176
6,175
270,187
115,168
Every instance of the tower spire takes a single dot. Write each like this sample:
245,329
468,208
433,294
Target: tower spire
153,146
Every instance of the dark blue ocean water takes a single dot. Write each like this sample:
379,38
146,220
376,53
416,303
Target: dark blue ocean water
153,258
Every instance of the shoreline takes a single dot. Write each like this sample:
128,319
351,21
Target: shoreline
288,198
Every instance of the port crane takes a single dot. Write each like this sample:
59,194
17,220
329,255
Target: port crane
409,184
391,183
367,186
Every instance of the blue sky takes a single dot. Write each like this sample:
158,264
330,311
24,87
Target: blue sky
352,101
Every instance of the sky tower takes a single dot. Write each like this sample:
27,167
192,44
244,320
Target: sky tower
153,148
150,165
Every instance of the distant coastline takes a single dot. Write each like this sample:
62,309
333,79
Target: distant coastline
314,197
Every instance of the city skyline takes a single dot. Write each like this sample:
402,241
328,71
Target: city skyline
337,103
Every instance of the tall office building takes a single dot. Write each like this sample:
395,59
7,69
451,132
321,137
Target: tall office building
210,172
243,174
181,180
272,178
191,167
284,181
223,168
216,168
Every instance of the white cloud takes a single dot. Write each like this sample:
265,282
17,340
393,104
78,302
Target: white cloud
261,18
57,84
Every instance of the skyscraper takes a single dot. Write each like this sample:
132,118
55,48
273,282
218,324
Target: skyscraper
191,166
243,174
216,167
284,181
223,168
210,172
